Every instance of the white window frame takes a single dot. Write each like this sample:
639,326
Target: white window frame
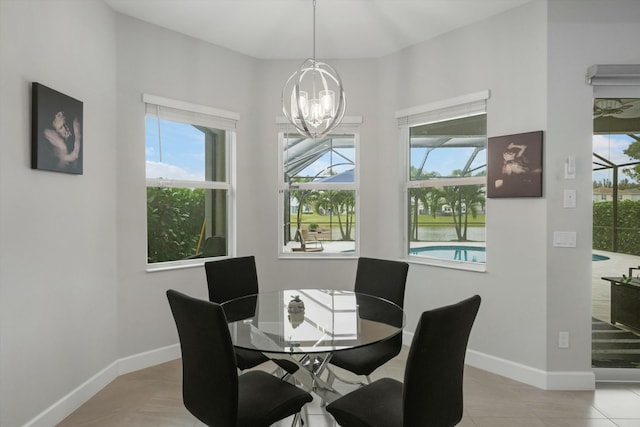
349,125
445,110
185,112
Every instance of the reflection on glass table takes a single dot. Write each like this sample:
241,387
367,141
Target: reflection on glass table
307,326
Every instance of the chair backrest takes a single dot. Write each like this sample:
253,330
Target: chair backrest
382,278
435,365
231,278
209,373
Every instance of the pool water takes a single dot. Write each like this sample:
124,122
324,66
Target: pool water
466,253
452,252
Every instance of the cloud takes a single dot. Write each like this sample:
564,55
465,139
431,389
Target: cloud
168,171
611,147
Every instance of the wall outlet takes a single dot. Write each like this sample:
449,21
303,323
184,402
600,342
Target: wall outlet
569,198
563,340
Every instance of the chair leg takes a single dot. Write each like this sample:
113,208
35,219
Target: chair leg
332,376
300,418
296,418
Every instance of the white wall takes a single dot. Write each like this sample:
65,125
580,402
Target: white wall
495,55
58,307
160,62
597,32
74,294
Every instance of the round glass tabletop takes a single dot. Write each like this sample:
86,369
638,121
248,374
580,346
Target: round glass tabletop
311,320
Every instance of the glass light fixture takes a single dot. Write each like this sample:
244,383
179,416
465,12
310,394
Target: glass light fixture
309,96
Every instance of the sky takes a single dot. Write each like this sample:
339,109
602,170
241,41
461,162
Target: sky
182,150
183,156
611,147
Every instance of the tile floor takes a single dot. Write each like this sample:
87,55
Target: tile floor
152,397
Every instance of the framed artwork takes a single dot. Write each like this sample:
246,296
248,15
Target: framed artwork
514,165
56,131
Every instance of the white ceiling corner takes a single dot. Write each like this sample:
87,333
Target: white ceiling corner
282,29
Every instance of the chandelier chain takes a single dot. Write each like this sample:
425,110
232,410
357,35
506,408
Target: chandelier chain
313,99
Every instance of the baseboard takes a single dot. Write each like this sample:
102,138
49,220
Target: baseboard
568,380
148,358
85,391
617,375
557,380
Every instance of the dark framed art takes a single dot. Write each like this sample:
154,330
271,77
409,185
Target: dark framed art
56,131
514,165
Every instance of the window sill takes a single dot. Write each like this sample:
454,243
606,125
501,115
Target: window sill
318,255
177,265
456,265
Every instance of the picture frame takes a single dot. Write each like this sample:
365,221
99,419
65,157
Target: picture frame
56,131
514,165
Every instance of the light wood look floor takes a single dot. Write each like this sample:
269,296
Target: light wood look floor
152,398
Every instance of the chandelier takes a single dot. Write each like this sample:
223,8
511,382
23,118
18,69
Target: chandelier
313,99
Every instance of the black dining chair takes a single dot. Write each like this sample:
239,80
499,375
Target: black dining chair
232,278
385,279
211,388
431,395
229,279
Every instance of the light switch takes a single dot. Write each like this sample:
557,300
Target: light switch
570,168
569,198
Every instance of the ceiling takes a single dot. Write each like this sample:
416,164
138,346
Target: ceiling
616,115
283,29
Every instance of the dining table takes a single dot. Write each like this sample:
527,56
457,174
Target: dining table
305,327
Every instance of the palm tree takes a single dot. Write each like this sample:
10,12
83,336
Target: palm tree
464,200
339,203
430,198
301,196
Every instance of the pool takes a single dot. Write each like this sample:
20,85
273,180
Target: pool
453,252
466,253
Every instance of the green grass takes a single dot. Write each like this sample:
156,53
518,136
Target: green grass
321,220
447,221
423,220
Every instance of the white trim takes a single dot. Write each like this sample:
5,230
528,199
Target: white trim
546,380
617,375
175,265
561,380
322,185
346,120
480,267
613,75
445,103
85,391
187,106
148,358
448,182
178,183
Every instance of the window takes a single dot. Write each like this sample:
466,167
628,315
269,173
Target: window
189,181
319,193
446,181
616,175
